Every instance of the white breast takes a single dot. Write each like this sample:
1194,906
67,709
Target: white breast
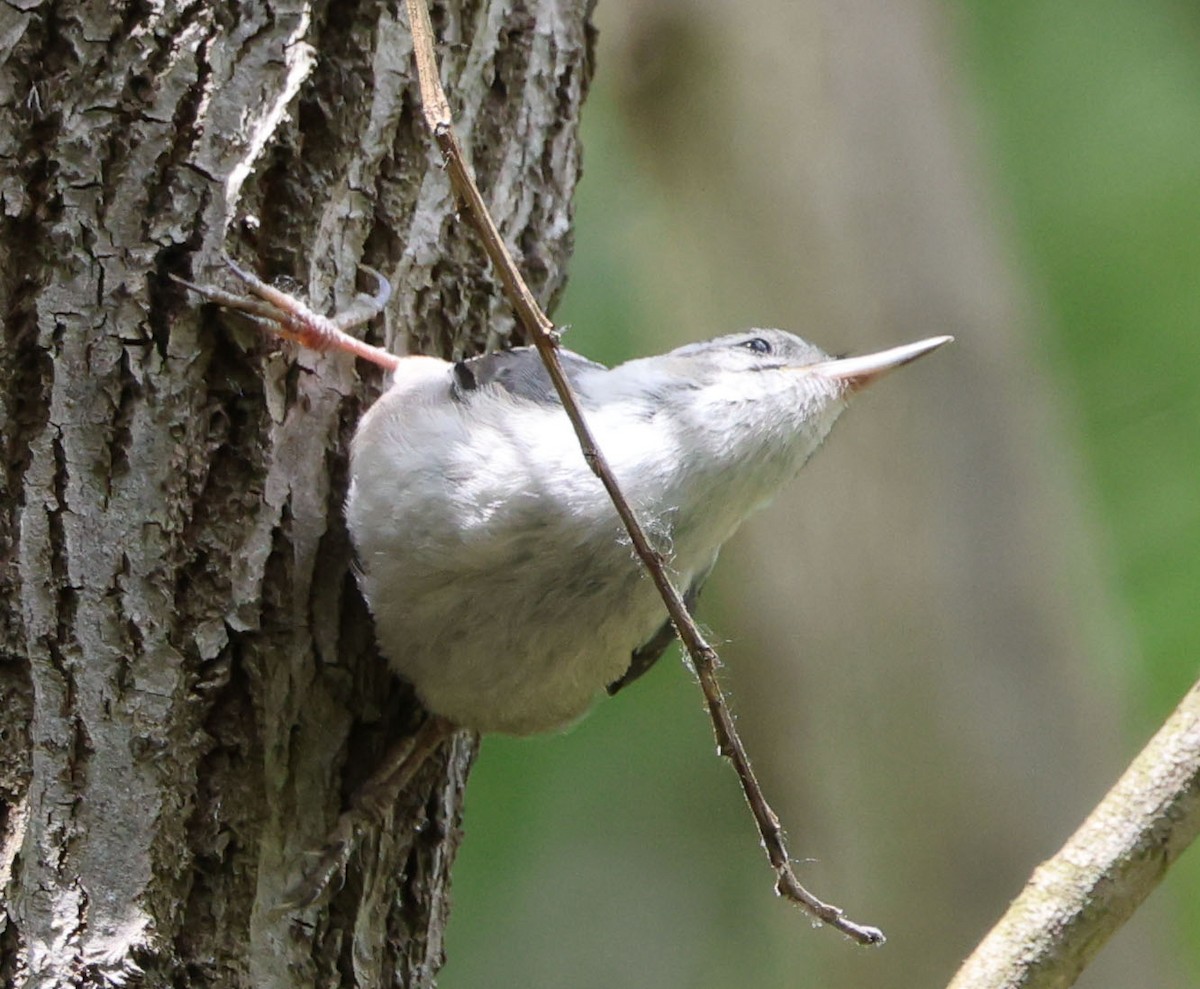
501,580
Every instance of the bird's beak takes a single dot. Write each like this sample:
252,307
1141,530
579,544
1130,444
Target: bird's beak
855,373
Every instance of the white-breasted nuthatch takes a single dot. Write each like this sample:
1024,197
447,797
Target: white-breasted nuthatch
501,579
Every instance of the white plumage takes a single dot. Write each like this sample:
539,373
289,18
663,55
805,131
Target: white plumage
501,580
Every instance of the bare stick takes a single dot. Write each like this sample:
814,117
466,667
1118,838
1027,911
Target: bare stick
541,331
1077,899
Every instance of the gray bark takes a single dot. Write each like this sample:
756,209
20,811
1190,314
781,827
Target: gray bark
188,677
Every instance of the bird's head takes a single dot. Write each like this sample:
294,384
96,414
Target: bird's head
767,392
741,363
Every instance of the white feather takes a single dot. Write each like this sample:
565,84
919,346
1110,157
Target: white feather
502,583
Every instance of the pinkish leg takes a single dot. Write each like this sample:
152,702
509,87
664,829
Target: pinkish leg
289,317
373,801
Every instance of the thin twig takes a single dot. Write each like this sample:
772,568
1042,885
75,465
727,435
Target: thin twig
541,331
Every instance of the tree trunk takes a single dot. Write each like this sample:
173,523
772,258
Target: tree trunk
189,687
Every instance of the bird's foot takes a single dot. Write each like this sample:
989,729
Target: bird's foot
290,318
374,799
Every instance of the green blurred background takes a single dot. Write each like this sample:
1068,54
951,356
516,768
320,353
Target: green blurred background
956,629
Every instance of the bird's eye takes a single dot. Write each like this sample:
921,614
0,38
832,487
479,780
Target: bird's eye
757,345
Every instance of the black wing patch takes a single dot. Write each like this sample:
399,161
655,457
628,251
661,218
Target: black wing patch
519,372
650,652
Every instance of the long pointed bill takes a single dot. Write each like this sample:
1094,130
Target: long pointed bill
855,373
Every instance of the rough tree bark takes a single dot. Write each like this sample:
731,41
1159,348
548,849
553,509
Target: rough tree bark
189,688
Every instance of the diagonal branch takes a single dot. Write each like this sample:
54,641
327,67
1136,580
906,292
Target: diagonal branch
1077,899
541,331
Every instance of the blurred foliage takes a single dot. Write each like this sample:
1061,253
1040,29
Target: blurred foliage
1093,119
1094,113
1091,122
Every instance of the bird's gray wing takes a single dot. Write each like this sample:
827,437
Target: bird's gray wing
520,372
649,652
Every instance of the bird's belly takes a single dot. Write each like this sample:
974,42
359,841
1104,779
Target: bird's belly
518,632
516,650
502,582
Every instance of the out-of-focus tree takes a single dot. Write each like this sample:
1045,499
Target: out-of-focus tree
928,647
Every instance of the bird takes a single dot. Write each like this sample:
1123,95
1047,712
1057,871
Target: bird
501,580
